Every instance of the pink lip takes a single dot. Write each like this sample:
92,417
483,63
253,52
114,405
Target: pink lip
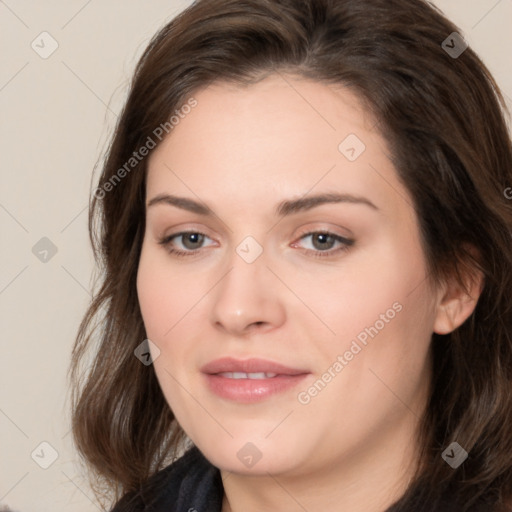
250,390
253,365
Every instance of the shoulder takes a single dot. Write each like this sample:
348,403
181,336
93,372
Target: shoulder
191,482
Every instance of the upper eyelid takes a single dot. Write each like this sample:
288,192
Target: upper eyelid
177,230
326,231
339,238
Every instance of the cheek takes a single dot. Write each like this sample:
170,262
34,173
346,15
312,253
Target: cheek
390,334
345,301
165,301
383,305
150,294
164,292
379,362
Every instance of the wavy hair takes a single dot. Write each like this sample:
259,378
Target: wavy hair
445,121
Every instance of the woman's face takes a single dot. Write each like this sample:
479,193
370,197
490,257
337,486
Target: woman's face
280,241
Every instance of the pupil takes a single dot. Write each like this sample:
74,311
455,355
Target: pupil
323,241
192,240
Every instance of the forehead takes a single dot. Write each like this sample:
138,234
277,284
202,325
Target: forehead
283,134
274,111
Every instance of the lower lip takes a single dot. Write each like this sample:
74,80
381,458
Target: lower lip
252,390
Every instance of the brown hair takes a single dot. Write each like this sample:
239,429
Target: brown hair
443,119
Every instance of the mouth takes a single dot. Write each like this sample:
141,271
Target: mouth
250,380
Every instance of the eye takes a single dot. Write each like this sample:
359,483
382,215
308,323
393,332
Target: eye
185,243
322,243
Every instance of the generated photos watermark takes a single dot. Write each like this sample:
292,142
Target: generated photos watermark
137,156
356,346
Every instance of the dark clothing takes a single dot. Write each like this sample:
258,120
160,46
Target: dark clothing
190,484
193,484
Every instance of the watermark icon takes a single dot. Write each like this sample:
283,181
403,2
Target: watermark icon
352,147
249,455
137,156
44,250
454,455
305,397
249,249
508,193
44,455
147,352
454,45
44,45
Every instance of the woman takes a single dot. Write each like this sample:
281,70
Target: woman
305,238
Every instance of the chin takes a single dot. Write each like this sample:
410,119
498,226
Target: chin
257,457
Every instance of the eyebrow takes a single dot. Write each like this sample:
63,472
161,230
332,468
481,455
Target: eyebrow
283,209
181,202
306,203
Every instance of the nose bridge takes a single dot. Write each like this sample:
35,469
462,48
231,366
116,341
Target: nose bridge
245,297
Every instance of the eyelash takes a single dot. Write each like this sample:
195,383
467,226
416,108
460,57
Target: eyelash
346,244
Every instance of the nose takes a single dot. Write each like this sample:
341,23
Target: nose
248,299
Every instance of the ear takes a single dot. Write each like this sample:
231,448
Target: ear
457,301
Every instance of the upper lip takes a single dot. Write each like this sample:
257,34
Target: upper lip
253,365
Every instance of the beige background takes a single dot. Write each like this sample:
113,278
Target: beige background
56,115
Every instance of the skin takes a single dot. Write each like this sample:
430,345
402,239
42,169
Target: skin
241,152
